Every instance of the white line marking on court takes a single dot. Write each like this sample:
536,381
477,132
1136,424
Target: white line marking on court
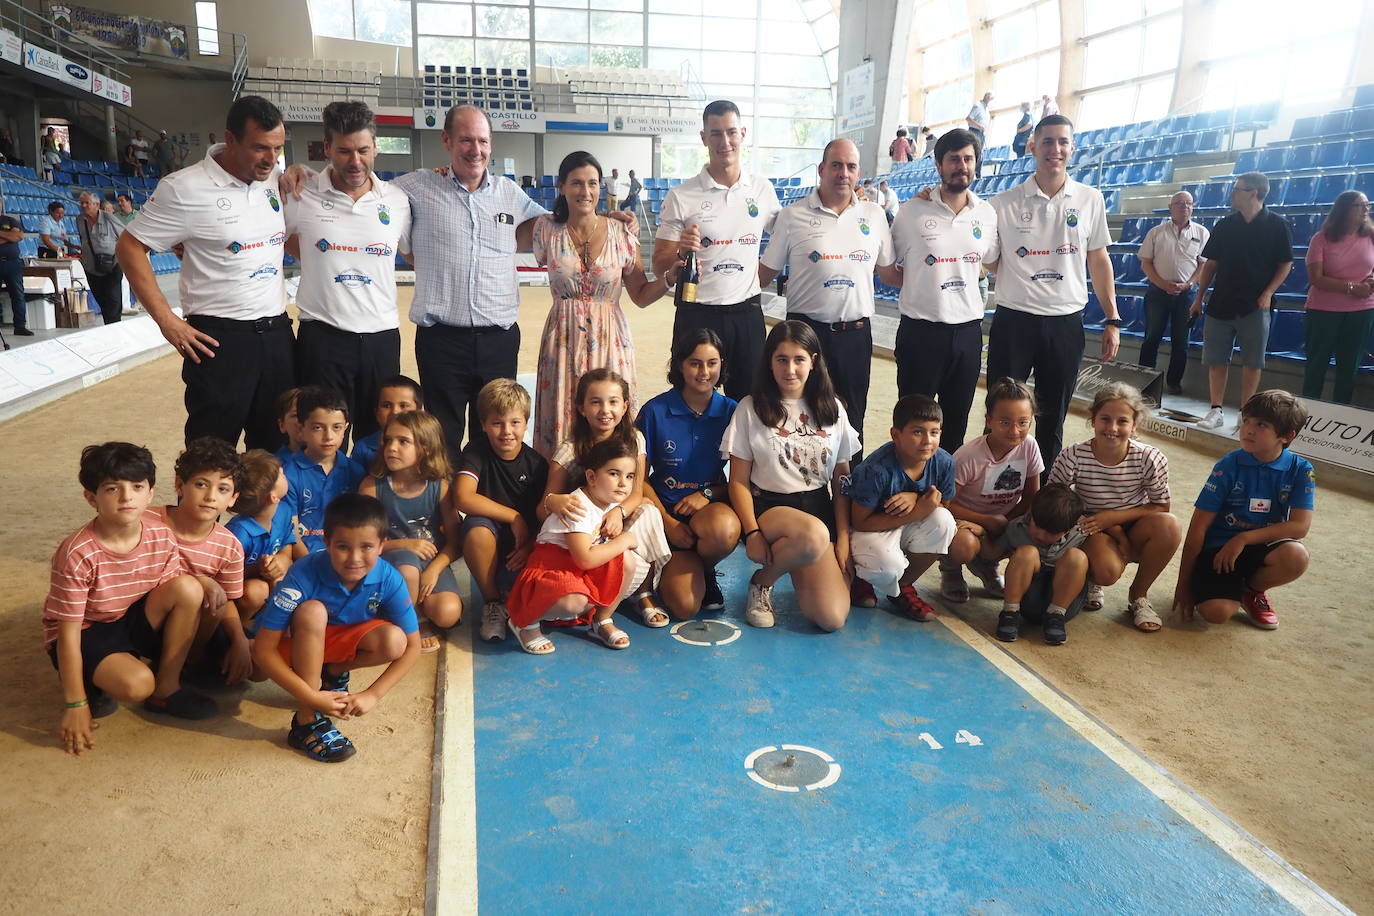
1234,840
829,779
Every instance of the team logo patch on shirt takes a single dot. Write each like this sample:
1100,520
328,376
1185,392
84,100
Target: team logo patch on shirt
753,207
814,256
273,199
236,247
931,260
978,232
1022,251
840,283
729,267
707,242
1071,217
1047,276
863,227
374,602
931,223
323,245
287,598
353,280
266,270
224,203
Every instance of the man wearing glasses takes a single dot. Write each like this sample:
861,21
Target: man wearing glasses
1249,255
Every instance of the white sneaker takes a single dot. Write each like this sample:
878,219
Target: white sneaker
1212,419
758,608
493,627
1095,598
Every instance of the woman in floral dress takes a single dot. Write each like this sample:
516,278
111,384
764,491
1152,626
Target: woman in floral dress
590,258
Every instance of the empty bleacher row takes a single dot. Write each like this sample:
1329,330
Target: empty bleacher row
490,88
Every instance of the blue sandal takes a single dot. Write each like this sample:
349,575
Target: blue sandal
320,740
335,682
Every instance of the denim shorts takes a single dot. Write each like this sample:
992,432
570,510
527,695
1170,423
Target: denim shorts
1219,335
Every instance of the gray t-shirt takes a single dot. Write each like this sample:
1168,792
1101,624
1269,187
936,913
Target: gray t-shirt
1018,535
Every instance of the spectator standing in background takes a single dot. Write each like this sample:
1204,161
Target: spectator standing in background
167,153
929,137
1048,106
124,208
617,189
211,141
52,235
1023,130
52,154
99,233
889,201
1340,302
12,269
8,151
979,120
632,201
142,151
901,150
1171,256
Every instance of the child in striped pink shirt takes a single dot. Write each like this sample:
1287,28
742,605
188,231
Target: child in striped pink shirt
208,474
120,593
1124,485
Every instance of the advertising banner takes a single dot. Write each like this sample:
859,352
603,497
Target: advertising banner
121,30
11,48
656,125
1338,433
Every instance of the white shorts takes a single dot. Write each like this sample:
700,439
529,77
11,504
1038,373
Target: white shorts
880,556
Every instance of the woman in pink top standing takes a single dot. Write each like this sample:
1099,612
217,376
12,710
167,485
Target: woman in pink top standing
1340,302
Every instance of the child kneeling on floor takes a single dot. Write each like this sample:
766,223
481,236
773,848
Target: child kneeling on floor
1250,518
574,570
120,593
346,608
1047,573
895,499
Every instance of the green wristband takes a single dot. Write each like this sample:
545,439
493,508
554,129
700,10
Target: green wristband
77,705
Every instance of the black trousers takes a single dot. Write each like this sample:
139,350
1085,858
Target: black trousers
454,364
109,293
849,358
236,391
741,333
1166,311
12,278
941,361
351,363
1048,346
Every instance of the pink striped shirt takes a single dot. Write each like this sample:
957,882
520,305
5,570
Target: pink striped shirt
1140,479
94,584
217,556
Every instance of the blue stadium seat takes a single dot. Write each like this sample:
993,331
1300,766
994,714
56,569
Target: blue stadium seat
1132,312
1246,161
1362,152
1334,154
1277,186
1168,146
1187,143
1111,199
1135,174
1334,123
1273,159
1364,95
1362,121
1328,186
1299,193
1209,141
1296,281
1303,157
1093,316
1159,171
1306,128
1365,184
1214,196
1131,150
1287,334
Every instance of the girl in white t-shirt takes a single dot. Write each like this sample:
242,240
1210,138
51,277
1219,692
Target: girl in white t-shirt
1124,485
787,442
575,570
603,401
995,478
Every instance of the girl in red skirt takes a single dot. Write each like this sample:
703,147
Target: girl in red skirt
574,569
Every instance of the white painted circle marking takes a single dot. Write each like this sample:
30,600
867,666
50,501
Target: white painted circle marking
734,632
832,771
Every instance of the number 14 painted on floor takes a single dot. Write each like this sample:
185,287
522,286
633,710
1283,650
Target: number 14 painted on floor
960,737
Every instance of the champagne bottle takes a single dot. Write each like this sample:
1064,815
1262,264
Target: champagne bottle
688,276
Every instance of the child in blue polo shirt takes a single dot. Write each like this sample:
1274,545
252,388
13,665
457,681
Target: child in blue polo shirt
397,394
896,498
683,428
318,472
1250,518
265,529
346,608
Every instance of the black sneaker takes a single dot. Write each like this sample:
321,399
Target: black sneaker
1008,626
101,704
184,704
336,682
713,600
22,332
1055,634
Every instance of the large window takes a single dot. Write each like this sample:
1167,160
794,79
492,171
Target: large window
940,33
1025,61
382,21
207,29
1131,61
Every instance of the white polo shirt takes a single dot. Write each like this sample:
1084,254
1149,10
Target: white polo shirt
1043,245
732,221
829,257
348,253
1175,252
943,252
233,235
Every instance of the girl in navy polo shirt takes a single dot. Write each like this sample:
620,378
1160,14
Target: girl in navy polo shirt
683,428
789,445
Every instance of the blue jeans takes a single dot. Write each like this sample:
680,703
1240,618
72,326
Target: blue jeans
1164,311
12,276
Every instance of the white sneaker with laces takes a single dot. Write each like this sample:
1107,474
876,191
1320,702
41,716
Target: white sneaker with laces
758,608
1212,419
493,627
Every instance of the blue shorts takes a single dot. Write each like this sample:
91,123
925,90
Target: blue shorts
398,558
505,545
1219,335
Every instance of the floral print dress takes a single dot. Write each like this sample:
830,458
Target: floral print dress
585,329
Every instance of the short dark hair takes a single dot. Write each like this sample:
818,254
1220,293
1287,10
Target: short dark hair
209,453
260,469
1258,182
916,408
55,205
116,461
404,381
317,397
253,108
717,108
354,510
1279,409
1054,120
684,346
124,195
1007,388
347,118
957,139
286,402
453,113
901,131
607,450
1056,508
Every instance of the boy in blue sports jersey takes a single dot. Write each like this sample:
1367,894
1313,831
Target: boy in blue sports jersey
346,608
319,471
397,394
1250,518
265,529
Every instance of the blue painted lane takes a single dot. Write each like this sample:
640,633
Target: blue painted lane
615,781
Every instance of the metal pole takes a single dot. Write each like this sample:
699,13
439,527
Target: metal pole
111,140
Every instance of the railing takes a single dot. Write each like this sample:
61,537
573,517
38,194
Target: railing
34,28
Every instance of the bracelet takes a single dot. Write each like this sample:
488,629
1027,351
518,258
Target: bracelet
77,705
749,534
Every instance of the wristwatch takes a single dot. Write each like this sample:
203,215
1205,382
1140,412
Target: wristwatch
706,491
1113,322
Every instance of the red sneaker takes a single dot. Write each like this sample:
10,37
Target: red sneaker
913,605
1257,605
861,594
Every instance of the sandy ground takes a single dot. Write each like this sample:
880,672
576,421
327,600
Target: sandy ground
1272,728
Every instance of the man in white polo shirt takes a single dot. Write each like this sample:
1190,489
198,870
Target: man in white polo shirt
1049,229
721,214
943,243
830,244
1171,257
235,338
346,229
